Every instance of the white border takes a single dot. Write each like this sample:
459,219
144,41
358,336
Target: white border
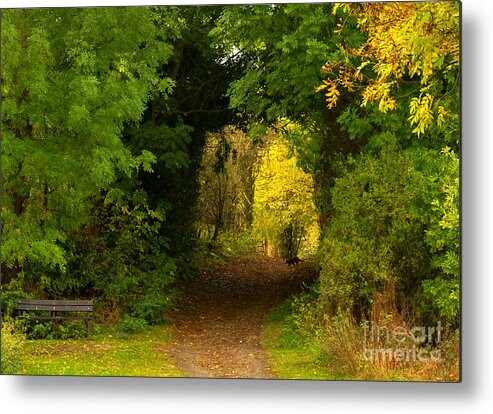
475,394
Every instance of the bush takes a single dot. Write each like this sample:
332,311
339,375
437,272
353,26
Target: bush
11,350
394,236
152,306
376,237
126,268
40,331
235,243
130,324
389,255
65,330
305,314
442,237
12,291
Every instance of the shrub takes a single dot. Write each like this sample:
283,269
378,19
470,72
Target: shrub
393,236
376,237
11,350
130,324
40,331
442,237
152,306
233,243
64,330
126,268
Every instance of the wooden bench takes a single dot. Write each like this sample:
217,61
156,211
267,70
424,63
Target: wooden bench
57,310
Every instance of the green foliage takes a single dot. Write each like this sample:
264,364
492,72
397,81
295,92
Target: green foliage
12,346
130,324
72,78
173,171
393,241
156,299
444,297
64,330
443,234
175,126
284,46
12,292
383,236
443,238
233,243
304,315
126,267
41,331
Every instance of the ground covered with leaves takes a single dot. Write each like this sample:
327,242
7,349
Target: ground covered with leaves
223,313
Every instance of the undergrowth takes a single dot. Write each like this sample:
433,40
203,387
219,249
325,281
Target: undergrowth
13,343
303,342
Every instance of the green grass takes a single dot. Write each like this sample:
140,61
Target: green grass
290,355
108,352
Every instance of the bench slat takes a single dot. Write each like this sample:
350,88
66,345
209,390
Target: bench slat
56,318
61,308
54,302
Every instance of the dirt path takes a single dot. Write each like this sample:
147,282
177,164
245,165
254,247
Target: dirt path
222,314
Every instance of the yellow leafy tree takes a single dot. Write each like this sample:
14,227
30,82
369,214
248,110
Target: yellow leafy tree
284,212
404,41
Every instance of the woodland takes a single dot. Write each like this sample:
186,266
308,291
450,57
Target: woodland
290,170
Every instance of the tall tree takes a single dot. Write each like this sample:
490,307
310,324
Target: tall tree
174,127
72,78
284,213
226,182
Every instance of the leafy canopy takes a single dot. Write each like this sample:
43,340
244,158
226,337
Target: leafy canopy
72,78
406,42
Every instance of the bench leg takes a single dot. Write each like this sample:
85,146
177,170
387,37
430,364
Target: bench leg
55,324
88,324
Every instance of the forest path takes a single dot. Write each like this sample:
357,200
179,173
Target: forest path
221,316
